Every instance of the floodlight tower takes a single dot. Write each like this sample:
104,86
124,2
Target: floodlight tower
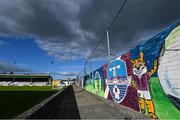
51,64
14,69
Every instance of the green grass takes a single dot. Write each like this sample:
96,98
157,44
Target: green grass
16,100
25,88
163,106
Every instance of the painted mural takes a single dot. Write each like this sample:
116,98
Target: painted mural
141,79
95,82
170,64
117,80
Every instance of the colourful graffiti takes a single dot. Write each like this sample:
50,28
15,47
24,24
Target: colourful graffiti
144,78
95,82
117,80
140,80
169,64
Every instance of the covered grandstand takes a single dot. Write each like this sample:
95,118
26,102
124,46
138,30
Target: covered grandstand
25,80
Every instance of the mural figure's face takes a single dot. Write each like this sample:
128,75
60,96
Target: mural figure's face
139,67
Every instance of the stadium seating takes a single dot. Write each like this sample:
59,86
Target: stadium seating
40,84
25,80
4,83
21,83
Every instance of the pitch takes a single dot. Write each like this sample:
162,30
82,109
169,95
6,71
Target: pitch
15,100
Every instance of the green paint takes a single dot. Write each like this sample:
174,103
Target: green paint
92,87
171,37
163,106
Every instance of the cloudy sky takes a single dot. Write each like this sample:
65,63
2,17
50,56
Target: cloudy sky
35,32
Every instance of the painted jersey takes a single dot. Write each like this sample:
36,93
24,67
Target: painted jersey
142,83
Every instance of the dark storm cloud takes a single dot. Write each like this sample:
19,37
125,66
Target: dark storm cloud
142,19
69,29
139,20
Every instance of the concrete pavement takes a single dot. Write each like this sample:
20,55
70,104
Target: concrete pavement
91,106
76,103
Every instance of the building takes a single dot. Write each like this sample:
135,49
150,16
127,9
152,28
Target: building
68,82
25,80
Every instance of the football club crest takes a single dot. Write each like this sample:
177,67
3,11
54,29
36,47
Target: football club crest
117,80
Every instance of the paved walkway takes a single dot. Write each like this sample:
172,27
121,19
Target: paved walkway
77,103
91,106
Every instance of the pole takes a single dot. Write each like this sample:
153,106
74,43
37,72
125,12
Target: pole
109,52
85,68
14,71
51,66
84,74
51,73
92,69
14,67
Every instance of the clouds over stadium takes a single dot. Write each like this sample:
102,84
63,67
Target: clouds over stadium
6,67
69,29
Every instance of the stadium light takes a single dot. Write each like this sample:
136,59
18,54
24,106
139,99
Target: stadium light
51,63
15,62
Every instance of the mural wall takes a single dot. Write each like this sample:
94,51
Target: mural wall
95,82
170,64
143,78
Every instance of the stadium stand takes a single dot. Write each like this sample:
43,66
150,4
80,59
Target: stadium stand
25,80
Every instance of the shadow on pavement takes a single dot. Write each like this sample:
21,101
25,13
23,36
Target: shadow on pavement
63,106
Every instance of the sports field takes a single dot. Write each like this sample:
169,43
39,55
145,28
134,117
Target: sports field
15,100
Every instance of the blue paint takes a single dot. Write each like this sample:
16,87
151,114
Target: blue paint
120,72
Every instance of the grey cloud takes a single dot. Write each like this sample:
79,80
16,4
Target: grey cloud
69,30
67,74
138,21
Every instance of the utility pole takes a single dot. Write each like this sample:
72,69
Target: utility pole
14,71
91,70
109,51
84,73
51,66
14,66
51,72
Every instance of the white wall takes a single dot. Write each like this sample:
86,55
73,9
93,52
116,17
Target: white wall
169,68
